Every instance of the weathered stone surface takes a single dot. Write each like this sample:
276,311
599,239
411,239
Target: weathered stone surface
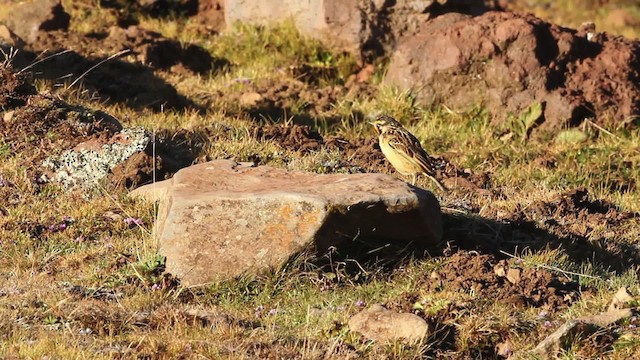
340,23
382,325
27,18
364,28
220,219
509,62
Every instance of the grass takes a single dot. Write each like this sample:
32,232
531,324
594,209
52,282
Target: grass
96,289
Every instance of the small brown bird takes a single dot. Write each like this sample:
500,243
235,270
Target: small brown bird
403,150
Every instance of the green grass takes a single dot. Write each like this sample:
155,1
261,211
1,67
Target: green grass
302,308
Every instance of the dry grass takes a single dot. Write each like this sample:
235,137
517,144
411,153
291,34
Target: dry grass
97,290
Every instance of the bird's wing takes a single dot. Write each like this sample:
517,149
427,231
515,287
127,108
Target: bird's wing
404,142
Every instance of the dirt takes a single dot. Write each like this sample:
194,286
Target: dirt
485,278
577,209
482,280
129,78
520,61
42,126
506,280
301,98
585,228
15,89
364,154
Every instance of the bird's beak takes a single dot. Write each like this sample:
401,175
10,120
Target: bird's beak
375,126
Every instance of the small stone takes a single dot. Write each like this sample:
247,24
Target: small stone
504,349
514,275
499,270
8,116
250,99
382,325
620,299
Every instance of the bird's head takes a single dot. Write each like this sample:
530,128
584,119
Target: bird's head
383,122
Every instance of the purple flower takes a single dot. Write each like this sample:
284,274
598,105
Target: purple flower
361,303
57,227
543,314
241,80
79,239
548,324
4,182
155,287
132,222
258,310
61,226
273,312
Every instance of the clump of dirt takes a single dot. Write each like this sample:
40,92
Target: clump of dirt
46,126
582,227
504,280
289,97
51,135
510,62
586,226
456,178
576,208
155,8
364,153
172,152
155,50
297,137
15,88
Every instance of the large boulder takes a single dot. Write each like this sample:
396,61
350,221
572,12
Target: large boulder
27,18
364,28
509,62
221,219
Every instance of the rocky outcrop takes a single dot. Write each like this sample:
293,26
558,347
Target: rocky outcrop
511,62
363,28
221,219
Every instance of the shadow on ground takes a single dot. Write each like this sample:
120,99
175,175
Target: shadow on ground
569,223
99,61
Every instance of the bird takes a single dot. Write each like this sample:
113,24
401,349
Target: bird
403,150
